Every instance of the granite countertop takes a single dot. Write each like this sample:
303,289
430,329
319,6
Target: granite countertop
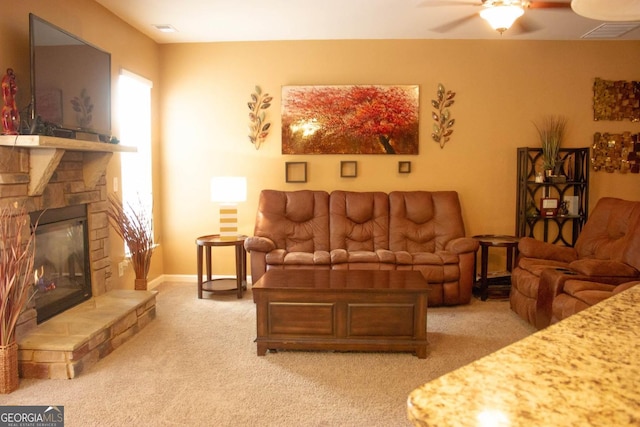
584,370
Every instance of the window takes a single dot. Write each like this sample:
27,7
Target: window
134,115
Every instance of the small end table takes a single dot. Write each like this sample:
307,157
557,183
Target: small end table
215,240
495,241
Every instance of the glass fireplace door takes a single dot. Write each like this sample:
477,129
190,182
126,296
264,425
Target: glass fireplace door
61,268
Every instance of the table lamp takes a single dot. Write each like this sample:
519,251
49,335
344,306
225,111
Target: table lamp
228,191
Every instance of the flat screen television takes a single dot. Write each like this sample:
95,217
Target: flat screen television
70,82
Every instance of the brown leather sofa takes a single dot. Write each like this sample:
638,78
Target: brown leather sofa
606,252
412,230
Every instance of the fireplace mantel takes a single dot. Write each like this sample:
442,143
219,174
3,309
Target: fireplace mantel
45,153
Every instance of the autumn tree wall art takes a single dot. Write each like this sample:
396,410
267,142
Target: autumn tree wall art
350,119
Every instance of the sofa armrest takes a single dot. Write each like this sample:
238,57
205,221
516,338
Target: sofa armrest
550,286
462,245
608,268
532,248
259,244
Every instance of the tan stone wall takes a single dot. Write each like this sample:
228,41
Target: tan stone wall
65,188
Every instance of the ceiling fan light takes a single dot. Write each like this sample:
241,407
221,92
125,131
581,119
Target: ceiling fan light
501,18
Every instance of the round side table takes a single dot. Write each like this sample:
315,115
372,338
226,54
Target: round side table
214,240
510,243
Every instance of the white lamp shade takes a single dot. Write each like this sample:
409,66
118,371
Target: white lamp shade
608,10
501,18
228,189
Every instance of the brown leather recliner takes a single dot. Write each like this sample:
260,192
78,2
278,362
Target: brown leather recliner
607,251
291,231
359,234
426,233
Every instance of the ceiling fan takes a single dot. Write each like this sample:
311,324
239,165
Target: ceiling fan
500,14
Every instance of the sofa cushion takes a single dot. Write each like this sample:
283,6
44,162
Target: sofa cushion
282,257
423,221
625,286
384,256
589,293
578,295
296,221
573,287
359,221
426,258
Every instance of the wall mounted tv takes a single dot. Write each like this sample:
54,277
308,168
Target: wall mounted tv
70,84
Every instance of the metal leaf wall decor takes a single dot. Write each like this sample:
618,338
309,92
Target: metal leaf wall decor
258,125
442,117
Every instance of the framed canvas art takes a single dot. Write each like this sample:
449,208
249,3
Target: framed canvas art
350,119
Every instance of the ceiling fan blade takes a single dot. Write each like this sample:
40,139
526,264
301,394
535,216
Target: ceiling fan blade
548,5
453,24
429,3
524,25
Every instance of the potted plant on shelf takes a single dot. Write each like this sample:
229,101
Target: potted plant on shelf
551,133
133,225
17,252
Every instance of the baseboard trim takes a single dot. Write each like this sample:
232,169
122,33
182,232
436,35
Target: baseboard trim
190,278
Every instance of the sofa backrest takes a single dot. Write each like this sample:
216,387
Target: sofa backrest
424,221
612,232
297,221
359,220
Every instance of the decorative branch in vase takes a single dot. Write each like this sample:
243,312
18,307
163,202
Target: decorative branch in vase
133,225
17,252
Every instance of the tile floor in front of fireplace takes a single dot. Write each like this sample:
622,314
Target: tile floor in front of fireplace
72,341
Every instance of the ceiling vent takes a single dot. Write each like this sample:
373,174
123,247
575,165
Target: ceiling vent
611,30
165,28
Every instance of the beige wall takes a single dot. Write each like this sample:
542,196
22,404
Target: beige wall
502,86
129,49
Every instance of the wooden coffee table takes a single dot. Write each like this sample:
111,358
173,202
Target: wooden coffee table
343,310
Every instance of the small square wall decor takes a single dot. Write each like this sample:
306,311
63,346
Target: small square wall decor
348,169
616,100
296,172
404,167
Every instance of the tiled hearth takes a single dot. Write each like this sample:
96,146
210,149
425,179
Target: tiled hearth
69,343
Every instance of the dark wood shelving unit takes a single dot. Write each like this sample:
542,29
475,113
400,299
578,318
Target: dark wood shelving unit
560,229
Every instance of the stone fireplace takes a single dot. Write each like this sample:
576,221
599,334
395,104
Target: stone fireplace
52,174
64,179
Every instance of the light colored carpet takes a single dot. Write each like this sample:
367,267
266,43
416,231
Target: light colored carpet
196,365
